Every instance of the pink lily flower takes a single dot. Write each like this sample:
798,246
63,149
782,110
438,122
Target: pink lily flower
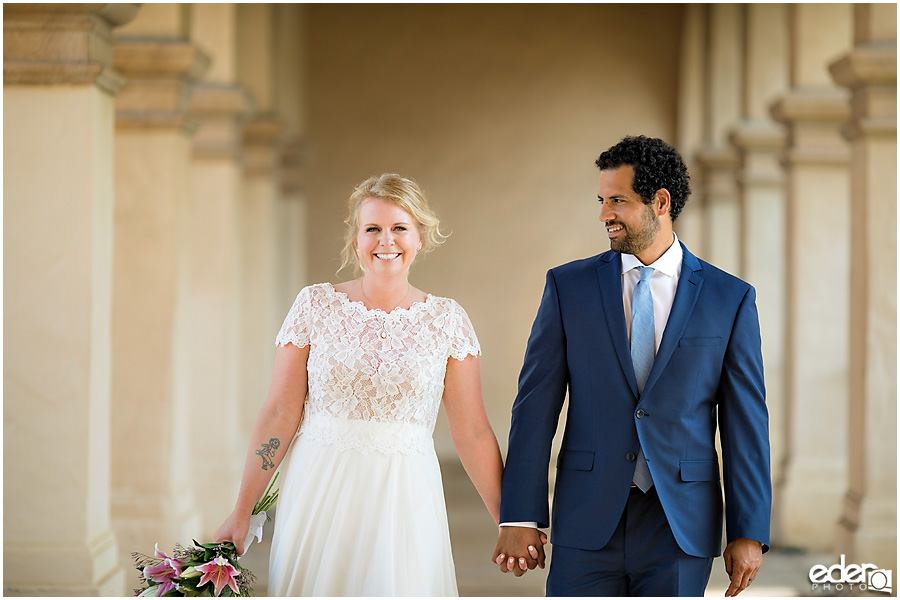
220,572
160,554
164,572
162,588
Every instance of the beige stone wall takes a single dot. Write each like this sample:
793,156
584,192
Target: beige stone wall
499,113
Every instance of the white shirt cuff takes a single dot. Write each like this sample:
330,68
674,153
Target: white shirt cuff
532,524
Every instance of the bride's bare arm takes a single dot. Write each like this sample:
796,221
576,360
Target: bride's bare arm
273,432
471,431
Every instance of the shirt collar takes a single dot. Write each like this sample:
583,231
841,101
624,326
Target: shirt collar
669,263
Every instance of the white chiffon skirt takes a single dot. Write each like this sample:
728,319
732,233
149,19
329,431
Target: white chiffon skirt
354,522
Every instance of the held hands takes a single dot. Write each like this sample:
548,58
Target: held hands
743,558
234,530
519,549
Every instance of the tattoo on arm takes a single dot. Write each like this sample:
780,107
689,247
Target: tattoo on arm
267,452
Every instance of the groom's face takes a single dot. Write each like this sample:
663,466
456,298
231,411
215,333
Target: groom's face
631,224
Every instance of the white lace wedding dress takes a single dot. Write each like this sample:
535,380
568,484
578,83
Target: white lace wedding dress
361,508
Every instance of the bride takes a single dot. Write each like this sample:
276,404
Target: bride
361,368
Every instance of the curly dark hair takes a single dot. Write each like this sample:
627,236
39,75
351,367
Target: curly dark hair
656,165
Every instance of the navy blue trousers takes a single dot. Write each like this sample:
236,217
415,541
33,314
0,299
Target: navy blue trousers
641,559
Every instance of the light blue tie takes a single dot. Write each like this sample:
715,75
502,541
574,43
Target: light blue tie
643,351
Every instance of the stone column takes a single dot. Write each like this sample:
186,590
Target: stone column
718,159
58,117
867,532
218,106
807,502
261,309
290,102
153,493
294,209
691,109
759,142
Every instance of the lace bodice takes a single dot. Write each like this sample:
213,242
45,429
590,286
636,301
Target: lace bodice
371,367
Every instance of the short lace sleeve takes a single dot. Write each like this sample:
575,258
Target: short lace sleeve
463,340
295,329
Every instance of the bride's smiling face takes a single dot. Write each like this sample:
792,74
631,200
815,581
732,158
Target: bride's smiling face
388,238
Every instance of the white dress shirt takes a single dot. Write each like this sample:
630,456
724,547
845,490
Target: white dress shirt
663,283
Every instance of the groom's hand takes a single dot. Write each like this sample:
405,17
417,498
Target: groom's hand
519,549
743,558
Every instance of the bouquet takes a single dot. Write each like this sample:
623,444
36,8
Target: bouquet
203,569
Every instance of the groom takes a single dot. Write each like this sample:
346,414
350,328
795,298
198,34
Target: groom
655,348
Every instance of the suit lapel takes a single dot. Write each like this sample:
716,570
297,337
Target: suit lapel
689,283
610,274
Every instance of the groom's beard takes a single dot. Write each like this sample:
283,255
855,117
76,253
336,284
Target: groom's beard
640,238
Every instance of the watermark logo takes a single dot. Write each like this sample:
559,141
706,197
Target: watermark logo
851,577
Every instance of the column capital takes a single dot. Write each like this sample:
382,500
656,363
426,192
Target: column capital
758,135
871,127
813,116
718,157
219,110
720,165
162,58
760,142
263,129
62,44
160,73
870,72
262,144
870,64
816,104
226,99
293,157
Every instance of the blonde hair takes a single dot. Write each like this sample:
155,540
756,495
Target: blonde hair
398,190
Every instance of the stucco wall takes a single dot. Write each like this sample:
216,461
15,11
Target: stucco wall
498,112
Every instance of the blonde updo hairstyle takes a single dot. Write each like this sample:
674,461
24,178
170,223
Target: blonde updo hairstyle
398,190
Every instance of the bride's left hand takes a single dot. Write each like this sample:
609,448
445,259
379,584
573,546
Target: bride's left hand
234,530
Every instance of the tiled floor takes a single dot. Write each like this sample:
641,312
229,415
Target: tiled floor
473,536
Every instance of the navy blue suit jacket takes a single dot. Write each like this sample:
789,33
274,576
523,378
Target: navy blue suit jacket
708,371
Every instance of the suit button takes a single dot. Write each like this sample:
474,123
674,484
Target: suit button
631,457
640,413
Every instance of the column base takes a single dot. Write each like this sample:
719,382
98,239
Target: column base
867,533
90,569
809,505
141,522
